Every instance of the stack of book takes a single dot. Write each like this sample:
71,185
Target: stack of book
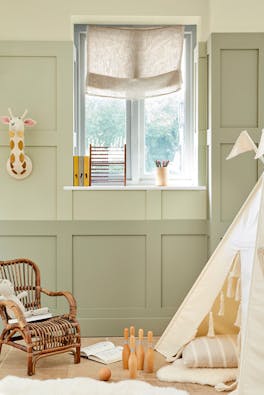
81,170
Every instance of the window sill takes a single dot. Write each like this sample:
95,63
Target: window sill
136,188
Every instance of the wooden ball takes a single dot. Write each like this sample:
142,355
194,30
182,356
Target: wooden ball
104,374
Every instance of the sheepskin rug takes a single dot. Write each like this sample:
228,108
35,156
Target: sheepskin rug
177,372
12,385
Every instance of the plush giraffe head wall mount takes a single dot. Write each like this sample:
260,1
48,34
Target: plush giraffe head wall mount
19,165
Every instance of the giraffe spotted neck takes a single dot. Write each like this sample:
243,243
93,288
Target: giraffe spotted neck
17,161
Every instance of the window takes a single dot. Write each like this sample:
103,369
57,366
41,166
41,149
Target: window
155,128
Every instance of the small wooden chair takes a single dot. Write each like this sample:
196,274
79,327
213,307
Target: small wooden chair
55,335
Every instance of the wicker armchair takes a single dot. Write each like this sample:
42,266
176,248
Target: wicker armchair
40,338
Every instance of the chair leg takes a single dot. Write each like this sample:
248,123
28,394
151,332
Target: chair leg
30,370
28,341
1,341
77,354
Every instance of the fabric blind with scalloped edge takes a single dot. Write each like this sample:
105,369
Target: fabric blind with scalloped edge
134,63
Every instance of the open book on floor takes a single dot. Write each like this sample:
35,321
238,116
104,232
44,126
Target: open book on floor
35,315
103,352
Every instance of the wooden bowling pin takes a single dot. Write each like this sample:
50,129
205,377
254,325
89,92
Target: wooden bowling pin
149,364
126,350
140,350
132,331
132,361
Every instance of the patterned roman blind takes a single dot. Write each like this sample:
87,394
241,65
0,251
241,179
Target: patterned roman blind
134,63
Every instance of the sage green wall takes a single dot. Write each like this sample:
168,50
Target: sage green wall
140,205
236,16
121,272
38,76
52,20
236,98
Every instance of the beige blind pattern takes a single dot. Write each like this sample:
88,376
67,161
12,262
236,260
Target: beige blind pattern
134,62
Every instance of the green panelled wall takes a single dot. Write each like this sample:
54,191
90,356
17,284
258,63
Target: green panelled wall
38,76
121,272
236,97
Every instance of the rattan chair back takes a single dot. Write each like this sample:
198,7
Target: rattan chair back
25,276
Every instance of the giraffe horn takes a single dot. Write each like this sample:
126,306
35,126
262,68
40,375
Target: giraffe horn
10,112
25,113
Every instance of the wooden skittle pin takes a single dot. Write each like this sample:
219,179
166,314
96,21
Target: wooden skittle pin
126,350
132,361
140,350
149,365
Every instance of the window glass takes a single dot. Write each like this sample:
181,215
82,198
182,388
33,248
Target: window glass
165,128
105,121
164,131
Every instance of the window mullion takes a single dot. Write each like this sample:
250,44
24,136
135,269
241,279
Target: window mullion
135,143
129,139
141,134
189,121
82,95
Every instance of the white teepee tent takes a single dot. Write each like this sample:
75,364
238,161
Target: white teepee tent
239,254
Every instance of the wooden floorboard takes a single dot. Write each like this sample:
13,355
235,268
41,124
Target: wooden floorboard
13,362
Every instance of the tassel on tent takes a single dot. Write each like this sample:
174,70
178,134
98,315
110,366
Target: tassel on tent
230,287
236,268
211,332
221,311
238,317
238,291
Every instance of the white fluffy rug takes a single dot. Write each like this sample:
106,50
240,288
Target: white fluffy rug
11,385
177,372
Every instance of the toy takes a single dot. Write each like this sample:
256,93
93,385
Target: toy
132,331
7,292
126,350
140,350
104,374
149,365
18,165
132,361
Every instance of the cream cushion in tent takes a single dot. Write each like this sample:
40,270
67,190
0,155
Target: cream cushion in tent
216,352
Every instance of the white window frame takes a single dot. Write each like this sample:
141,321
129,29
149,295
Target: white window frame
135,136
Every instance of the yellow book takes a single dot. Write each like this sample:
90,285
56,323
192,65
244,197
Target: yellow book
86,170
75,171
80,168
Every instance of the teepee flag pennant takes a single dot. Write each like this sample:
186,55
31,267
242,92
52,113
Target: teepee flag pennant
244,143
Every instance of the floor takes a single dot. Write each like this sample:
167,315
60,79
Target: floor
13,362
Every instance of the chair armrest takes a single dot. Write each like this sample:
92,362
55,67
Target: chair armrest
68,295
10,304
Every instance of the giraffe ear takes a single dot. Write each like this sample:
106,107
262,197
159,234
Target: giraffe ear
29,122
5,119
